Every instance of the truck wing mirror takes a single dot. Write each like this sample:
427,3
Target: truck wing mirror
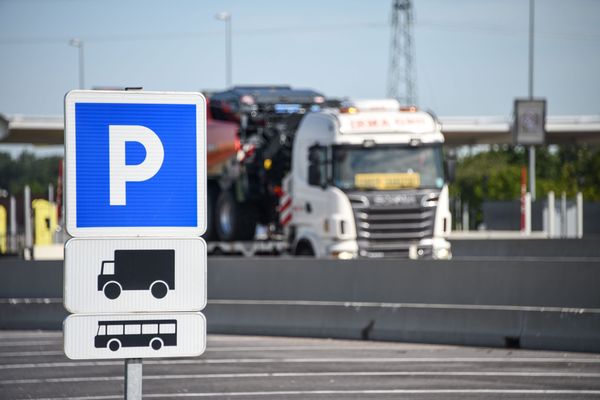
314,175
314,156
451,169
317,159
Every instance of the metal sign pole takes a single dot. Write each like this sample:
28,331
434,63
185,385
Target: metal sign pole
133,379
532,147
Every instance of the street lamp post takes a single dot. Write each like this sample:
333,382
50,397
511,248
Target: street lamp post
79,44
226,16
531,148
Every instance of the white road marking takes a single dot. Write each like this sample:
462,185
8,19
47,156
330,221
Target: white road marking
36,343
62,364
348,392
29,334
302,348
403,360
215,339
225,350
378,391
358,304
32,353
310,374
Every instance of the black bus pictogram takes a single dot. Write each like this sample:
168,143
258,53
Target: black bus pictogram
146,333
152,270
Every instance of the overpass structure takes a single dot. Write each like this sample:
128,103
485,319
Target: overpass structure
458,131
576,129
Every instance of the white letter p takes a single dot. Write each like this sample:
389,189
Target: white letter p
121,173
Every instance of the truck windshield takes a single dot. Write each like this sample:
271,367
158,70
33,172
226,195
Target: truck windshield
387,167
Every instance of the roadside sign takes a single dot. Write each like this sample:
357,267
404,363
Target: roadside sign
135,163
109,275
135,184
530,122
102,336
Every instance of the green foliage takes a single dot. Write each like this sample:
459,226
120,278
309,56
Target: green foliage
496,174
28,170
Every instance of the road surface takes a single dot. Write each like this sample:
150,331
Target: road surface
33,366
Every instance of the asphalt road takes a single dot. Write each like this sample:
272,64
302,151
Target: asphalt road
33,366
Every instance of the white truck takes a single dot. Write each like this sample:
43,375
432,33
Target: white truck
368,179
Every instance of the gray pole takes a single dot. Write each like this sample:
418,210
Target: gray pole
27,213
531,26
531,148
226,17
229,54
465,216
51,193
532,172
551,215
81,67
563,215
579,215
79,44
133,379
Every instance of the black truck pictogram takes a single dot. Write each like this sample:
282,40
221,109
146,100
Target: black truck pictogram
152,270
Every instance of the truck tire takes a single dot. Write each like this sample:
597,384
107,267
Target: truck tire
305,249
234,221
211,197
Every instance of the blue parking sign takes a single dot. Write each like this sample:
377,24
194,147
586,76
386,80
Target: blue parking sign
135,163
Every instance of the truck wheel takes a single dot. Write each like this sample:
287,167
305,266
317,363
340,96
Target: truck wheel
304,249
234,221
211,197
159,289
112,290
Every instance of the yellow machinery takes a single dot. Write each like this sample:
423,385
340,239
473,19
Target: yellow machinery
3,230
45,221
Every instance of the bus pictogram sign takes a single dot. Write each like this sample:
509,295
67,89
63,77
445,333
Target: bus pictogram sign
105,336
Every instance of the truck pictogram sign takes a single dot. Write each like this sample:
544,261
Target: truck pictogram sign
107,275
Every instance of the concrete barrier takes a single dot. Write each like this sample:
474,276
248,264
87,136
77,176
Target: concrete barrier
546,283
38,313
526,327
532,304
547,248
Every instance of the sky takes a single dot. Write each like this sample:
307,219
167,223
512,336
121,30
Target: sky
471,55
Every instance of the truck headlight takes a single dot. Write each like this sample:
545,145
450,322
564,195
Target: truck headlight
442,253
342,255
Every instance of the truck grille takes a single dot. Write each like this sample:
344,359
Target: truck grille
388,225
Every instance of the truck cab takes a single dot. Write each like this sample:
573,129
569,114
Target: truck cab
368,180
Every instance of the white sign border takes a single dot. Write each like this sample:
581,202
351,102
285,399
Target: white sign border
133,97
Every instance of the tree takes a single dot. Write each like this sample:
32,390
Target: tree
496,174
27,169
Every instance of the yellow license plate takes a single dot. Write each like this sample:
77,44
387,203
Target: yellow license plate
387,181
